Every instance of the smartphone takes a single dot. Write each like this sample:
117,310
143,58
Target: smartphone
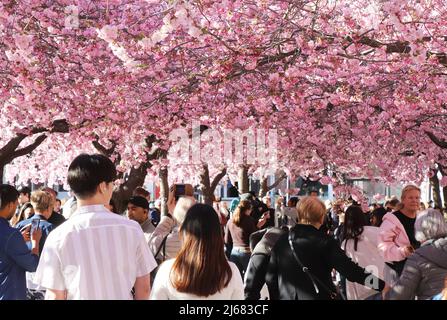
35,223
183,190
180,190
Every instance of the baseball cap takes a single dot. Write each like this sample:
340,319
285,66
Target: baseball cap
139,202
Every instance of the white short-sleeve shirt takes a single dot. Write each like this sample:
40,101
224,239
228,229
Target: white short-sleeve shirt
95,255
164,290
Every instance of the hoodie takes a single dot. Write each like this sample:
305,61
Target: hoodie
392,239
424,273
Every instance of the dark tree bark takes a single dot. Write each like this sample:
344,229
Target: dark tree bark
439,142
11,149
434,183
135,177
207,186
164,190
243,179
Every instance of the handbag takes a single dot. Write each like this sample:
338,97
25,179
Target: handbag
334,295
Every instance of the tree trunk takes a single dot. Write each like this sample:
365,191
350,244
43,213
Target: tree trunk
263,189
434,183
135,179
164,190
206,186
243,179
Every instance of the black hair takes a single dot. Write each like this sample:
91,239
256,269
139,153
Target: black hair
252,193
379,213
112,203
393,202
8,194
354,223
25,206
25,190
293,201
86,172
139,202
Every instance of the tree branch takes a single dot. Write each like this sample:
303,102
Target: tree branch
217,179
277,182
440,143
30,148
11,146
60,126
103,150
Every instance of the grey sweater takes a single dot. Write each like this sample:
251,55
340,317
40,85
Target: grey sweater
424,273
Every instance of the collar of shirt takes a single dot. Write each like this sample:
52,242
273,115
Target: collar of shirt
38,216
90,209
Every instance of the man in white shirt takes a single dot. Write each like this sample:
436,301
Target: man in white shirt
95,255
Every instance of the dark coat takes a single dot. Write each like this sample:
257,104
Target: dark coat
257,267
320,253
424,272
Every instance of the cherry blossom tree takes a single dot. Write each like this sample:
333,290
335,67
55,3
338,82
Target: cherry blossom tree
357,86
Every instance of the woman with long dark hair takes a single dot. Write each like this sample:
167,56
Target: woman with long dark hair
238,231
360,244
200,270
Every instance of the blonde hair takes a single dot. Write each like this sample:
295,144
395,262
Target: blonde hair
310,210
41,201
406,190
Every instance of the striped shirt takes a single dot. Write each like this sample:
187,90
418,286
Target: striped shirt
95,255
165,229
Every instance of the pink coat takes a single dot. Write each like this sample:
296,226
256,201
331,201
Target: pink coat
392,239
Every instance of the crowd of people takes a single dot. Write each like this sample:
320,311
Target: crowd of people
302,250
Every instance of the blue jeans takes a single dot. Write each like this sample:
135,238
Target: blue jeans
240,258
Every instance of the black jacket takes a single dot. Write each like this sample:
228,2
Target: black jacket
320,253
257,267
56,219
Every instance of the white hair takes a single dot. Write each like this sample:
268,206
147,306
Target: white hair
430,224
182,206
